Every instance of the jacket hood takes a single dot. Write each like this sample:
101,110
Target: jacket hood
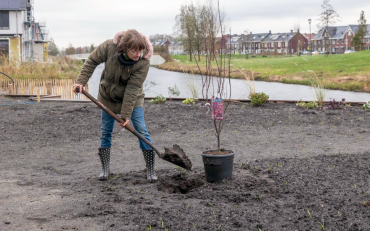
149,53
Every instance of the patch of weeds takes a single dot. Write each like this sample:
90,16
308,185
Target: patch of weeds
366,106
188,101
335,104
159,99
308,105
308,211
322,225
110,188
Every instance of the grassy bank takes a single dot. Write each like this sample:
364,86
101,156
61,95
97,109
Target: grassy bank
342,72
60,68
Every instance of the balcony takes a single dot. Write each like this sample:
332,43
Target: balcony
43,32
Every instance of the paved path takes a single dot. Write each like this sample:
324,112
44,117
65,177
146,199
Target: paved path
157,60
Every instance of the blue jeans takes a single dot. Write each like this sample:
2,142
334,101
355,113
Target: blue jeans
137,118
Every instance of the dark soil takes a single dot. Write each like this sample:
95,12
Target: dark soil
294,169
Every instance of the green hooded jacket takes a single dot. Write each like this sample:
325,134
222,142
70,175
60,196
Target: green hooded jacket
121,87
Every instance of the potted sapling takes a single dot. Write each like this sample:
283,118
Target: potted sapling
218,162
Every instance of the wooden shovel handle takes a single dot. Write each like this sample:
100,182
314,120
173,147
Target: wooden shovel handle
107,110
118,119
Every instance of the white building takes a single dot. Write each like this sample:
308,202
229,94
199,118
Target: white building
21,37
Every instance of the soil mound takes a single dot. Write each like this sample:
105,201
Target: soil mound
180,183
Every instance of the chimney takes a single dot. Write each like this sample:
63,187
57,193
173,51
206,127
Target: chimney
270,31
291,31
251,32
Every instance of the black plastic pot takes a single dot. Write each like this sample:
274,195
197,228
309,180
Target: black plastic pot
218,167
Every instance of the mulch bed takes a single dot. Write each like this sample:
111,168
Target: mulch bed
294,169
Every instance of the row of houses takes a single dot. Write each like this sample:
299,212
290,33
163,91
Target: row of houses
21,37
338,39
284,43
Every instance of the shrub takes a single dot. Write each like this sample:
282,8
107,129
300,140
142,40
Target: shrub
188,101
257,99
335,104
159,99
308,105
366,106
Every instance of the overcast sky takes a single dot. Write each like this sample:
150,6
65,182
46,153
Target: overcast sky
85,22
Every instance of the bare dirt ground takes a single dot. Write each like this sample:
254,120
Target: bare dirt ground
294,169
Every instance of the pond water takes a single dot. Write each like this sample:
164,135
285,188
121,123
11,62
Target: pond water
159,80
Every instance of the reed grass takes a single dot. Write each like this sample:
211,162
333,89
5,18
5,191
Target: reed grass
58,68
318,84
62,87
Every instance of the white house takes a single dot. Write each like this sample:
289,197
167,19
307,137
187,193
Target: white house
21,37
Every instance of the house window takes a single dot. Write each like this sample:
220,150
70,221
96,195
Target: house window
4,20
333,41
367,40
4,47
349,33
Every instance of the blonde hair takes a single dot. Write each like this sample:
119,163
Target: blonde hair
131,39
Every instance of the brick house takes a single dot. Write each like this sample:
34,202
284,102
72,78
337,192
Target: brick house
242,44
367,39
285,43
338,38
251,43
366,42
234,44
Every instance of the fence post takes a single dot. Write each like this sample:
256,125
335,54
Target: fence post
49,88
38,95
11,89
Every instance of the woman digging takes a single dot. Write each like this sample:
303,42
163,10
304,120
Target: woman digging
126,59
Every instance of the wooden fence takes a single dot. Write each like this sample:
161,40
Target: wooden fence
62,87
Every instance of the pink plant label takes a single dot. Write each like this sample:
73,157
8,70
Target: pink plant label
217,106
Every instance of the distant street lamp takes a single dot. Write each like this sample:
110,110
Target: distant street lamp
310,46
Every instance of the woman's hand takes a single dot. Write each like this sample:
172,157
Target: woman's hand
125,123
77,85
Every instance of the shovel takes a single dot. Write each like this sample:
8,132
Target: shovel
173,155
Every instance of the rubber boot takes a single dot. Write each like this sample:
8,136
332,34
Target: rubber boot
149,160
104,154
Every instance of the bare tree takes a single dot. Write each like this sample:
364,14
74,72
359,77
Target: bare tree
247,43
185,28
297,26
197,13
327,18
53,48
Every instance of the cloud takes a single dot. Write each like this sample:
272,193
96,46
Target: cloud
83,22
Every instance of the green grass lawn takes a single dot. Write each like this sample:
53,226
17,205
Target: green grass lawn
333,66
342,71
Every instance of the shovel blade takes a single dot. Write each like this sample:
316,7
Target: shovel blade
177,156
